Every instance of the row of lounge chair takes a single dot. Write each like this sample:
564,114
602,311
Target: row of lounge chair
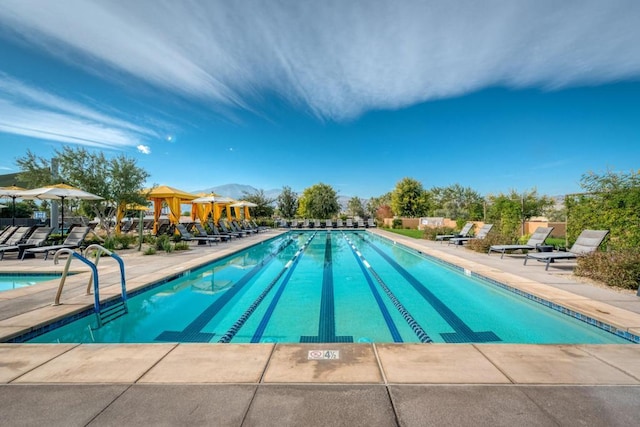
587,242
328,223
32,240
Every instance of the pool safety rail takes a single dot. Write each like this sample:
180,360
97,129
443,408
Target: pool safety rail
106,313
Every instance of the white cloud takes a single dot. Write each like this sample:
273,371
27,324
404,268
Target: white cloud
144,149
31,111
334,58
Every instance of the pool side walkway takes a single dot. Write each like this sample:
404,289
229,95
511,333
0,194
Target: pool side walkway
293,384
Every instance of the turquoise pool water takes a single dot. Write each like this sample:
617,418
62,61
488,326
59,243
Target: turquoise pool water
15,281
331,287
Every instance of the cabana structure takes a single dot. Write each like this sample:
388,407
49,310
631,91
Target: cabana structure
173,197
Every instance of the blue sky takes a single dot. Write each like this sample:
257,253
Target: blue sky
493,95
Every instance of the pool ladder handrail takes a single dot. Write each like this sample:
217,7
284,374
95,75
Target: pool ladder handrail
94,276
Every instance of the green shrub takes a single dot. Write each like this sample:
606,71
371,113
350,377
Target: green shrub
149,251
397,223
126,240
181,246
482,245
109,243
431,233
163,243
619,268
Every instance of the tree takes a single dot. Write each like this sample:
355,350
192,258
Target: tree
409,199
611,202
318,201
457,202
375,203
510,211
118,180
265,205
287,202
355,207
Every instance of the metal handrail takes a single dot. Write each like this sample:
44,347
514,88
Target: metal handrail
94,275
100,250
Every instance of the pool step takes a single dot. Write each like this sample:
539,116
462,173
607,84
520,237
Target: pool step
112,312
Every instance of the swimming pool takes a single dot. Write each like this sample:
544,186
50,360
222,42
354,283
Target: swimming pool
331,286
10,281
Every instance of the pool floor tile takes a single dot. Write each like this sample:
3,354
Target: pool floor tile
211,363
293,363
18,359
99,363
552,364
437,364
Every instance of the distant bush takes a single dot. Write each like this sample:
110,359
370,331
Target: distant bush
620,268
482,245
397,223
431,233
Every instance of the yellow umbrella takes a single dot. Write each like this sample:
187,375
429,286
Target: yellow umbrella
173,197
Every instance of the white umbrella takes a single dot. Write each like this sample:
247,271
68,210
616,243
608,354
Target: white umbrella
213,199
3,206
13,193
58,192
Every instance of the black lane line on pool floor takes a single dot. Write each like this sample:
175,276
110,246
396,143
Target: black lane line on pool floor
368,271
257,336
463,333
192,333
327,322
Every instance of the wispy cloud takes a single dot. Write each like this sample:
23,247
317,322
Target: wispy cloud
338,59
144,149
31,111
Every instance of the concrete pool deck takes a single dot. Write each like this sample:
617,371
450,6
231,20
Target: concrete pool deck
279,384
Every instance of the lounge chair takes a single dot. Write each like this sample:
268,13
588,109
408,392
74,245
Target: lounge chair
6,233
305,224
73,241
339,223
588,241
255,225
317,223
537,238
36,239
482,233
328,223
202,232
349,223
463,233
19,235
371,223
185,235
361,223
294,224
226,229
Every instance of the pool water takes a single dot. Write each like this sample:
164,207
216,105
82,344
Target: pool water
331,286
15,281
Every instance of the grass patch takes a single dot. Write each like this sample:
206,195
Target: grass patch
416,234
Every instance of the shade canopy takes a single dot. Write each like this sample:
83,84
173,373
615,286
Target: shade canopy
172,197
58,192
206,204
245,205
12,192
